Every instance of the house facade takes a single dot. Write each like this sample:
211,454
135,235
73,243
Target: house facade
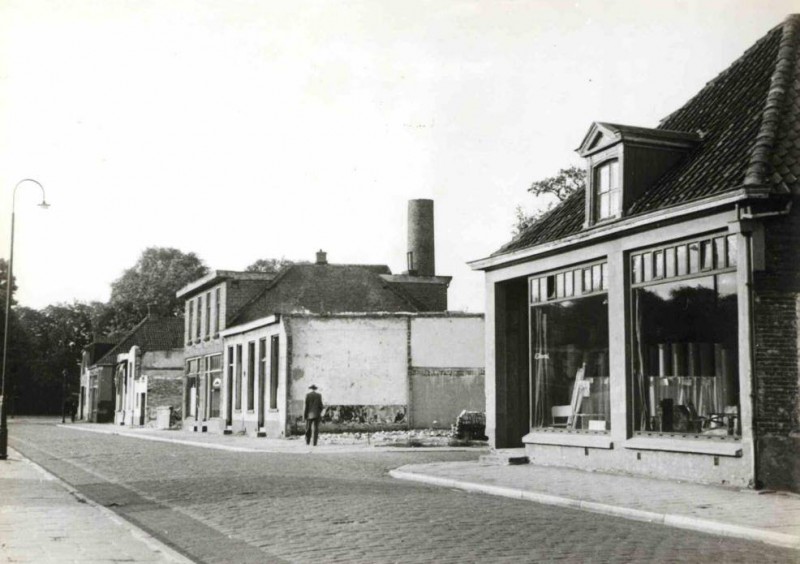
376,371
649,324
347,328
96,400
140,374
211,304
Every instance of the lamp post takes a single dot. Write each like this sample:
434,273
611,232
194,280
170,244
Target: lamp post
3,406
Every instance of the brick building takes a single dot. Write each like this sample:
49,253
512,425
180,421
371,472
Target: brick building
349,329
96,400
142,372
649,324
212,302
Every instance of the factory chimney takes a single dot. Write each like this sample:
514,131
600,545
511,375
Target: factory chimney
420,256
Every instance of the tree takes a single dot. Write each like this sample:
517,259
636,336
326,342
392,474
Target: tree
272,265
153,281
554,190
47,343
3,283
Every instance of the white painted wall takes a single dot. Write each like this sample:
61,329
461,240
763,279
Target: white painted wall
447,342
354,361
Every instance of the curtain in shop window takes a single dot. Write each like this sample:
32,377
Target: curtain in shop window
642,382
540,371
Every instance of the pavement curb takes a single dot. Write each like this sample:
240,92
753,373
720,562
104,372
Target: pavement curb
668,519
339,449
140,534
161,439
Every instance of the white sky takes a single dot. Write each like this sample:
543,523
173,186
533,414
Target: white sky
243,129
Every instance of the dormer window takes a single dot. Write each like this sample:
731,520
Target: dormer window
607,190
623,162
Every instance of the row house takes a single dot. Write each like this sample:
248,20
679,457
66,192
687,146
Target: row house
96,400
363,335
212,302
131,380
649,324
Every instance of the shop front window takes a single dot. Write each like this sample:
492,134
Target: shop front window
569,353
685,347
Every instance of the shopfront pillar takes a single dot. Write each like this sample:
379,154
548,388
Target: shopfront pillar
618,307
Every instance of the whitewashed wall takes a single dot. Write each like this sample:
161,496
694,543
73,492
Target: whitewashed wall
353,360
447,341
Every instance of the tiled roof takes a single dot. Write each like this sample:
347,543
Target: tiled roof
151,334
328,288
748,118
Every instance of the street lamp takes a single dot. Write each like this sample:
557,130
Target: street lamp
3,406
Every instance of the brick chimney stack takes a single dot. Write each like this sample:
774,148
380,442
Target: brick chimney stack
421,260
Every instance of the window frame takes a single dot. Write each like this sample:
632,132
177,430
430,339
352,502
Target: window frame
724,261
611,192
585,272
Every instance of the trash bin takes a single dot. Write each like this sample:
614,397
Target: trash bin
163,416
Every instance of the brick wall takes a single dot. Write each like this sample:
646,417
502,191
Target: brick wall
776,309
165,388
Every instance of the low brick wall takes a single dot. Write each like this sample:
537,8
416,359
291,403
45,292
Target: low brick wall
346,418
164,390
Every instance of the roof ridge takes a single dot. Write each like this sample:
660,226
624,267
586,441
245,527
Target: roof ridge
760,157
729,69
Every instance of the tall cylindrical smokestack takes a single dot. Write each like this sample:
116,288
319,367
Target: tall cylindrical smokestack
421,261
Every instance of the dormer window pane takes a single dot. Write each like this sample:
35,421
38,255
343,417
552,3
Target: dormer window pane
607,190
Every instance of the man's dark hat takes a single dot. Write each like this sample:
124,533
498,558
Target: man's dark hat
312,387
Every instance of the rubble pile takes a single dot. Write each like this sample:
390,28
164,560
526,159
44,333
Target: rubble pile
412,437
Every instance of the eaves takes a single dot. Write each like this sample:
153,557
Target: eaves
621,227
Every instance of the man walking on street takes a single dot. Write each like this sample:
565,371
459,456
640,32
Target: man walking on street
312,414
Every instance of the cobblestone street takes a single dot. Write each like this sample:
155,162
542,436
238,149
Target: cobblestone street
217,506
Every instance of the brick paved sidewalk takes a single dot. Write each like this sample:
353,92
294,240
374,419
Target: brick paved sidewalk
241,443
42,519
773,518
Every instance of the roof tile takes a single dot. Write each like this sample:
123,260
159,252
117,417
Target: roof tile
750,118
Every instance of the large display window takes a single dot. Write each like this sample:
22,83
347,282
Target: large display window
685,343
569,349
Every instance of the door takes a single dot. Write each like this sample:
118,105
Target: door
262,372
142,408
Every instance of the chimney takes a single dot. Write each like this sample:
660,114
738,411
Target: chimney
421,261
322,257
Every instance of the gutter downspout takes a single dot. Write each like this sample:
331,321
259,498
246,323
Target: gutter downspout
745,214
752,354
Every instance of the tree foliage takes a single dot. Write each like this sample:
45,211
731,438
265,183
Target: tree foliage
46,343
551,191
4,282
153,281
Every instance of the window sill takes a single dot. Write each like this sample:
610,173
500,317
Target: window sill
558,438
273,410
693,446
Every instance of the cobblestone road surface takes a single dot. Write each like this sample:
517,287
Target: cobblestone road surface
216,506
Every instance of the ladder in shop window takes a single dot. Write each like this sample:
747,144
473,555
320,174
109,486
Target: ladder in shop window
579,391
